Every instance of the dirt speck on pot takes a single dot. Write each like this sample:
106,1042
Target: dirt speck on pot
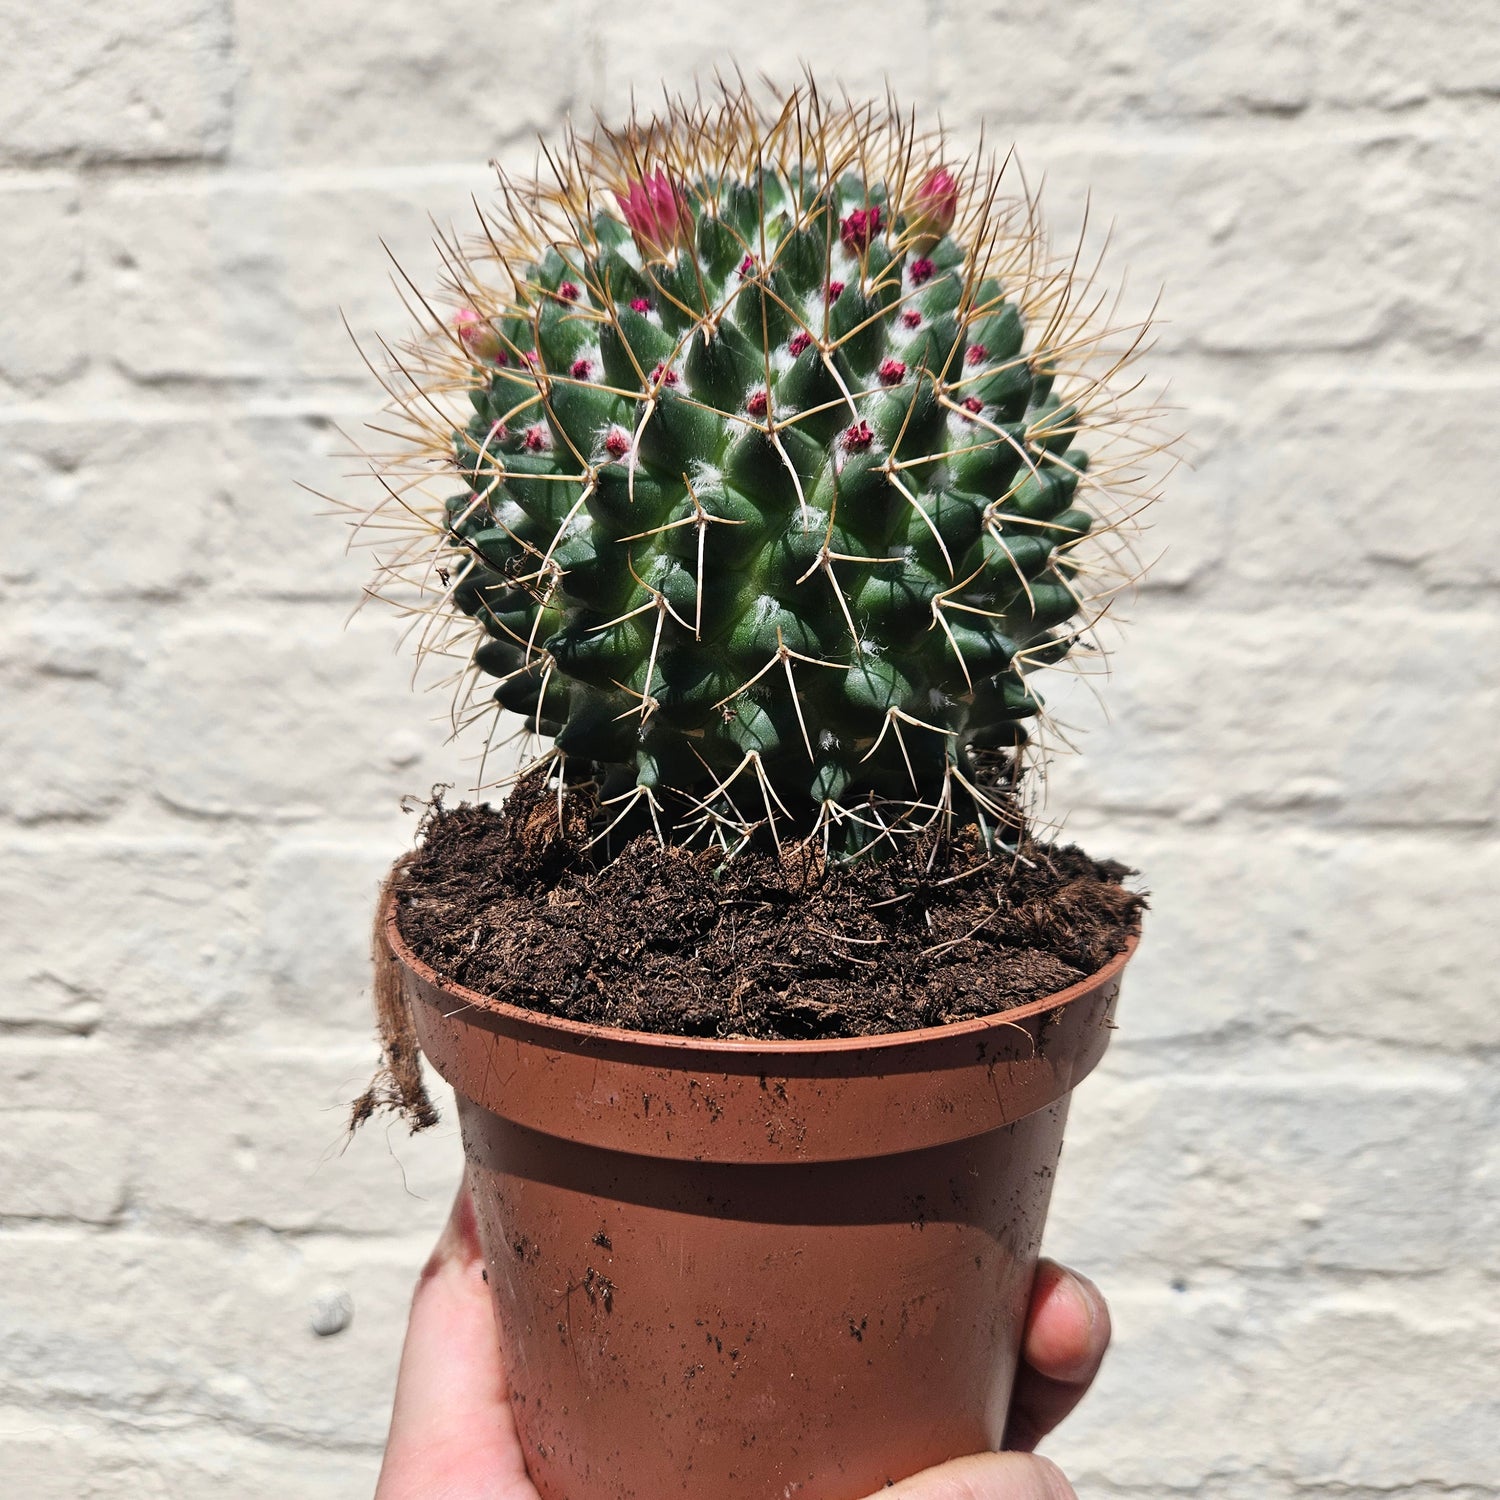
513,903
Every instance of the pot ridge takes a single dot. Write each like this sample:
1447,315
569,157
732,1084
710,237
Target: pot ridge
695,1098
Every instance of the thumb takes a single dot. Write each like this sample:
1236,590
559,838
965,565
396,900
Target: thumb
986,1476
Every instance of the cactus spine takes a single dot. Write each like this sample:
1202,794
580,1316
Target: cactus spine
781,445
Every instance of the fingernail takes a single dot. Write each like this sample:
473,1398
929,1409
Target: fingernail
1087,1295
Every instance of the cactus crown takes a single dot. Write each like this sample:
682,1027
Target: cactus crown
769,443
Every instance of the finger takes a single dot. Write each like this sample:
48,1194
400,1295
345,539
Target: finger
985,1476
451,1427
1067,1332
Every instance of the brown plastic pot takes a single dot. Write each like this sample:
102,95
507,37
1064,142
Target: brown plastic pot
752,1270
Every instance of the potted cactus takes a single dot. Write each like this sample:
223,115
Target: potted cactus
755,464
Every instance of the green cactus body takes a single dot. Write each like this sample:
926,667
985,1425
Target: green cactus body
768,506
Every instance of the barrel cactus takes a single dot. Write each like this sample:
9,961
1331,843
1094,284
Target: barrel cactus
772,455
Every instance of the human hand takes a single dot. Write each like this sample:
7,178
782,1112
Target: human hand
453,1436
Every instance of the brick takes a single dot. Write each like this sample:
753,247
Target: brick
1338,935
70,752
129,503
150,80
179,1330
1180,540
1363,1389
60,1165
71,1457
1097,60
839,47
1207,1390
1303,1172
146,932
1173,1404
1404,51
49,1006
1393,926
276,537
1362,484
320,80
141,503
1269,935
325,722
1365,714
259,270
270,1145
318,903
1277,244
42,249
65,1074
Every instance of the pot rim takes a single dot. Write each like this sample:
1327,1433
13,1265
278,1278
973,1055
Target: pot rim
588,1031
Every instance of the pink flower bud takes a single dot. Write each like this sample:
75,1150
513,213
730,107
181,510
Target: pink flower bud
933,209
658,215
478,336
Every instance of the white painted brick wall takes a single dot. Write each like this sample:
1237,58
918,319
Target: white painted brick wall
1286,1173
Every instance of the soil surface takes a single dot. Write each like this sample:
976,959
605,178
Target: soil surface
510,902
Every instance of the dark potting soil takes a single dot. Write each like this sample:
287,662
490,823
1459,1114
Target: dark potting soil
511,902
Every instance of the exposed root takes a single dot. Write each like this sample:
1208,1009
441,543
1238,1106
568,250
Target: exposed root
397,1085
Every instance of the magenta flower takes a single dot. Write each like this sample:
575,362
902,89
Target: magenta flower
859,228
857,438
658,215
